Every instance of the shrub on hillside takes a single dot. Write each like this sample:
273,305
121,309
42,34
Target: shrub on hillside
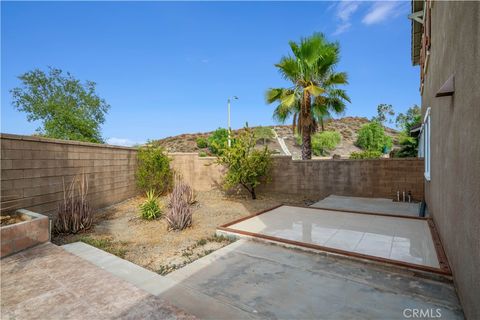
325,141
150,209
218,141
153,170
245,165
366,155
202,142
372,137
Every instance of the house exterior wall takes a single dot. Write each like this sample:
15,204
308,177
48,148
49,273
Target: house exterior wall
453,194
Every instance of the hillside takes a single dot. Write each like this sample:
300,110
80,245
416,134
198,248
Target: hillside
347,127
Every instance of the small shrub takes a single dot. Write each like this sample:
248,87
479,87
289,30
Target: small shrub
372,137
202,142
74,213
366,155
153,170
202,154
245,165
325,141
150,209
218,141
179,214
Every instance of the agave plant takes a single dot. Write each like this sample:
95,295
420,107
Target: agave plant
74,213
150,209
179,214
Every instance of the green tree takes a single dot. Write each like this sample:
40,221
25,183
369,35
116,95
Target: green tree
218,141
384,113
263,133
246,166
408,143
67,108
311,70
323,142
372,137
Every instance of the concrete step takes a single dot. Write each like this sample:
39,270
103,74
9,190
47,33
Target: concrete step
178,293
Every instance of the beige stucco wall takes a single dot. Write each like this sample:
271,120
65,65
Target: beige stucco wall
317,178
33,169
453,194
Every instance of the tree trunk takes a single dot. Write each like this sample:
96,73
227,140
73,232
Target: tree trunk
306,114
254,195
322,124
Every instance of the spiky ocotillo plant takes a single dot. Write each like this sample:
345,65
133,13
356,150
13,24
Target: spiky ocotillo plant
179,214
74,213
311,70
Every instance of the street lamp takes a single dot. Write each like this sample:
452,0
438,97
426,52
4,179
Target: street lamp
229,129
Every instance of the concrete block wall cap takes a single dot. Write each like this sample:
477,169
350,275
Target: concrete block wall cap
59,141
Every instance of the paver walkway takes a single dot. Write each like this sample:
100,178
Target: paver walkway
47,282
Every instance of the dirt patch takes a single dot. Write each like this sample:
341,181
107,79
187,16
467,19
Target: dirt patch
120,230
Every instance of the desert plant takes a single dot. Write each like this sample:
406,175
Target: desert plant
369,154
202,142
153,170
325,141
217,142
74,213
372,137
202,154
245,165
150,209
179,214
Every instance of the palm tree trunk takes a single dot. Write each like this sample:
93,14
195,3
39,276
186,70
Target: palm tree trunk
306,114
322,124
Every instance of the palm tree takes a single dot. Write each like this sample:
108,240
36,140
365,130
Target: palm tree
314,93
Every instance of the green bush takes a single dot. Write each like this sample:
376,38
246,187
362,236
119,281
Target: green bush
372,137
150,209
202,154
325,141
202,142
218,141
366,155
153,170
245,165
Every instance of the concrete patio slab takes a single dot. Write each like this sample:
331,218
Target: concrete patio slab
374,205
47,282
272,282
402,240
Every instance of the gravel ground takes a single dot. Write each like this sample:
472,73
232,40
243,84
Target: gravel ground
119,229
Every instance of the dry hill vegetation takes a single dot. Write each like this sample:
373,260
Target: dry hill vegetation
347,127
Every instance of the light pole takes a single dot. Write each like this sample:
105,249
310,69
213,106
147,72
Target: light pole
229,129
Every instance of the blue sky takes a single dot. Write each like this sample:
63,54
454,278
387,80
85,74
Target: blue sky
168,68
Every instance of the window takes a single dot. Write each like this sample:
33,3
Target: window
426,143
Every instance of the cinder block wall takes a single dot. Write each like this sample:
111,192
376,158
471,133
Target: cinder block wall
33,170
317,178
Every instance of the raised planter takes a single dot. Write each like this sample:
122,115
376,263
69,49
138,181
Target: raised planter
29,229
